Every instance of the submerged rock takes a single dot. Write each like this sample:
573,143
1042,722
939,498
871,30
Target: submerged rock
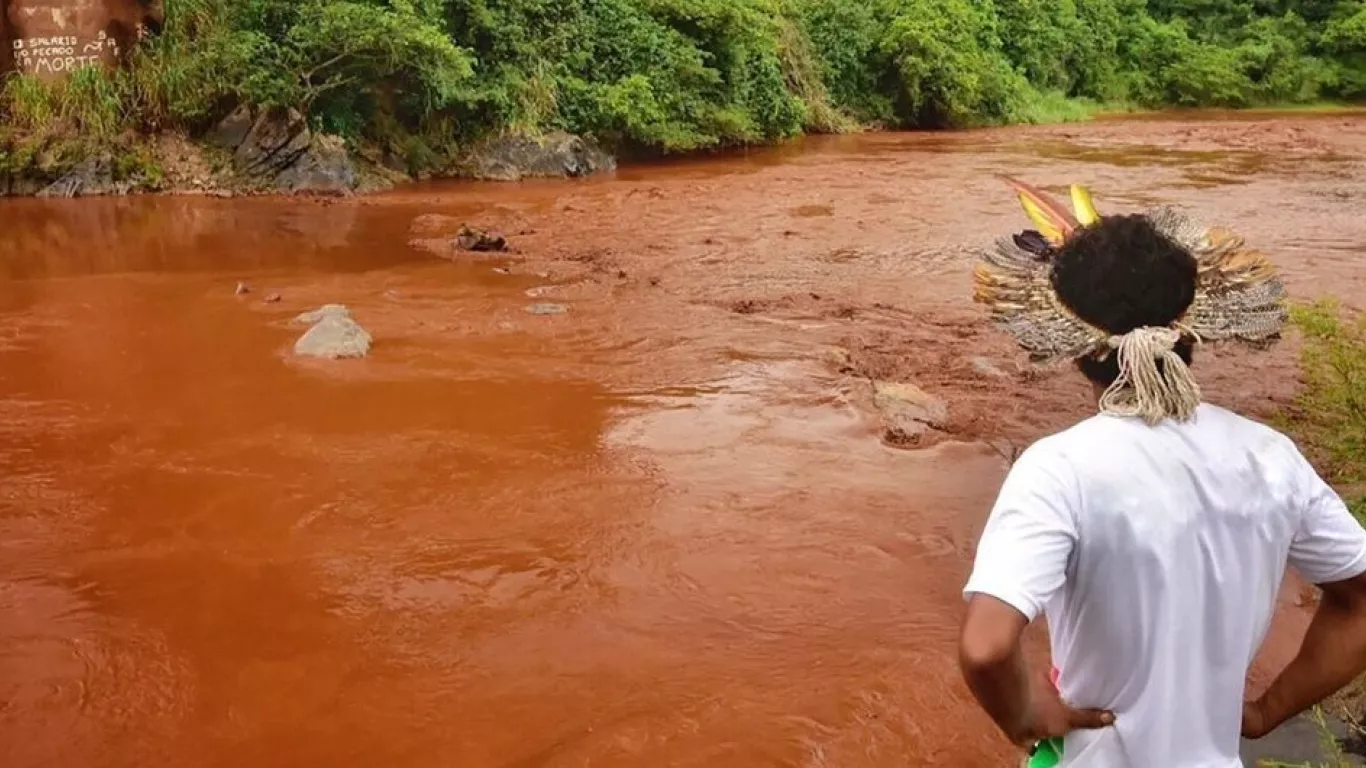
985,367
334,334
908,408
515,157
547,309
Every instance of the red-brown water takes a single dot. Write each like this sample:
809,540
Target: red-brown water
662,529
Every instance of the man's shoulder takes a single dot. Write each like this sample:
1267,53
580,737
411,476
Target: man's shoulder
1106,433
1234,426
1099,428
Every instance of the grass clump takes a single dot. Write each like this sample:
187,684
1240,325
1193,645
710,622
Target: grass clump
1330,421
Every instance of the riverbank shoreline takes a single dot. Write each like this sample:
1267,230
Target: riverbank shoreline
174,164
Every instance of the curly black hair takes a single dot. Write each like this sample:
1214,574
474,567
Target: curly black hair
1119,274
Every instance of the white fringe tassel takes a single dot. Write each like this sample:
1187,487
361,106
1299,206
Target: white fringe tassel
1142,389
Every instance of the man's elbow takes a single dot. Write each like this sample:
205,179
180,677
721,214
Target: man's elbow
990,638
978,653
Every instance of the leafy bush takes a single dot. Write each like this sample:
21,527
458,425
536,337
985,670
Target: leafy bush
667,74
1344,39
424,77
846,39
950,65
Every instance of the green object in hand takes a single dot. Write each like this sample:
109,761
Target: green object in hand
1046,754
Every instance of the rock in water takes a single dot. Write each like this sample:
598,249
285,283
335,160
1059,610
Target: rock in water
334,335
514,157
470,239
334,338
908,408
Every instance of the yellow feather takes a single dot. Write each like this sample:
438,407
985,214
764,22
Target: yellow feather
1052,218
1047,226
1083,205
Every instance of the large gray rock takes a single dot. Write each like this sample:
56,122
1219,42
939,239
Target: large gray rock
325,168
514,157
277,140
280,151
334,334
232,130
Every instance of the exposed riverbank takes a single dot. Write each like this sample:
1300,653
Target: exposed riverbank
276,154
273,153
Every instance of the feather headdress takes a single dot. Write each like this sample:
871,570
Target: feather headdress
1238,294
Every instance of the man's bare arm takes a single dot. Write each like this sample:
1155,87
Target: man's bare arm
1332,655
993,665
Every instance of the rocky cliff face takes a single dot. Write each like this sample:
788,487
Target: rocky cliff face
52,38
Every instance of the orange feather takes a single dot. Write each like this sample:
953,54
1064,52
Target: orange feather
1053,219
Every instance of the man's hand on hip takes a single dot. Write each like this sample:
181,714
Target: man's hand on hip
1051,717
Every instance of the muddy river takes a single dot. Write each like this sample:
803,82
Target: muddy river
670,526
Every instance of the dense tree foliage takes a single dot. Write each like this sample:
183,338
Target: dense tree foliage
424,76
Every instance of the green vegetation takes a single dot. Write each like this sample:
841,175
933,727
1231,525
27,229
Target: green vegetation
420,78
1331,415
1329,423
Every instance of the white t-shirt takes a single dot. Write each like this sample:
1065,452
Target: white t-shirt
1156,554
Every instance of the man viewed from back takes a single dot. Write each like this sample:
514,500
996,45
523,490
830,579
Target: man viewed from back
1154,536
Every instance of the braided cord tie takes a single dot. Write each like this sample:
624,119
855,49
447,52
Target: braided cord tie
1146,389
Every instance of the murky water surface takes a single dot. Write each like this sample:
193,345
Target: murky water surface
671,526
